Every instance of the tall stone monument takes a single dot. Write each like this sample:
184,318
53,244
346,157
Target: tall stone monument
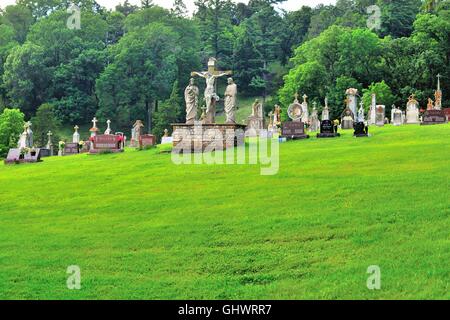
373,110
352,100
314,119
326,111
305,110
256,119
438,95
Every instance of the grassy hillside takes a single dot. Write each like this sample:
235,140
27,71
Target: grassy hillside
141,227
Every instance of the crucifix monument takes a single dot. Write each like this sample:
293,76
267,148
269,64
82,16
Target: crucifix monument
211,97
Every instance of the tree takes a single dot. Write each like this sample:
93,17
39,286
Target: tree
11,126
383,93
142,71
20,19
179,8
26,77
170,111
215,19
44,121
398,17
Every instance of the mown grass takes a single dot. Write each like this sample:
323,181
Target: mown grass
141,227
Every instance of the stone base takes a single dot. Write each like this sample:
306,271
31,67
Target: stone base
207,137
99,151
297,137
328,135
14,157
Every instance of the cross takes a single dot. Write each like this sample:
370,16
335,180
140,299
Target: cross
76,128
315,104
94,121
212,69
49,134
305,97
296,96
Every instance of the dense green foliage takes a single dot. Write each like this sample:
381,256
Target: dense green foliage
11,126
122,64
141,227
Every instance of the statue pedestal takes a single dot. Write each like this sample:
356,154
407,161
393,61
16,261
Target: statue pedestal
188,138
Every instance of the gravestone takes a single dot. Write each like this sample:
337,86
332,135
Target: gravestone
314,120
295,129
373,111
45,153
347,119
328,130
432,117
136,133
305,109
447,113
256,119
147,140
397,116
71,149
166,139
76,135
106,143
15,156
380,119
361,130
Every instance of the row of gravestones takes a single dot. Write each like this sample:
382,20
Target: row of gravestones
105,143
329,129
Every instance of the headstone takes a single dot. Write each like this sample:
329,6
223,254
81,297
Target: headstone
373,110
76,135
17,156
256,121
93,132
166,139
397,116
432,117
45,153
328,129
106,143
136,133
294,129
361,129
447,113
71,149
380,119
147,140
26,138
314,120
347,119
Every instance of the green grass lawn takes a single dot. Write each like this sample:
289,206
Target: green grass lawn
141,227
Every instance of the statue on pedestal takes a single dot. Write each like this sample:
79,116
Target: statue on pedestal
191,97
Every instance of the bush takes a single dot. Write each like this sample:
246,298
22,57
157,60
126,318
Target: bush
11,126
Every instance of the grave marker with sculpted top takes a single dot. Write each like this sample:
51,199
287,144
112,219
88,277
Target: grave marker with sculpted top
295,129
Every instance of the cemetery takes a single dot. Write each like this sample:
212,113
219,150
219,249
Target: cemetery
90,177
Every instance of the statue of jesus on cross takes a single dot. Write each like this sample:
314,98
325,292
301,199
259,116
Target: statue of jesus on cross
211,97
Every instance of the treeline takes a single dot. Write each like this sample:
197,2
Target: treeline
133,62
